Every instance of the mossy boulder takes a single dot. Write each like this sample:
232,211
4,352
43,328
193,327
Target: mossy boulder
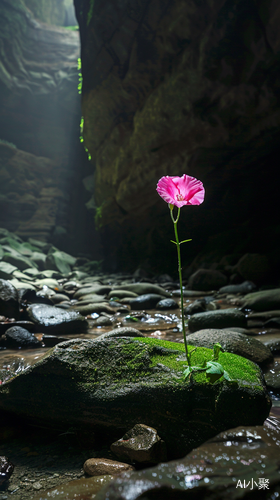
108,386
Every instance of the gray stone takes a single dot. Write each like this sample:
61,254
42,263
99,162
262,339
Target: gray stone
9,305
50,318
121,294
104,466
60,261
222,318
40,259
92,289
197,306
146,301
19,261
234,342
93,308
272,377
6,270
140,444
207,279
124,331
245,287
113,384
166,304
17,337
266,300
144,289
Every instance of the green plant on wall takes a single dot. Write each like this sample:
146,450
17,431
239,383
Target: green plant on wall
82,137
89,16
80,84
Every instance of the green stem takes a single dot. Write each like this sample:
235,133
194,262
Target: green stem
175,222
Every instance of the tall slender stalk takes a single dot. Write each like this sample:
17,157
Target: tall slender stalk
175,222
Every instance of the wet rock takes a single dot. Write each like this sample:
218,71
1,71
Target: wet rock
19,261
9,305
245,331
50,318
6,270
272,377
17,337
113,384
59,297
104,466
103,321
77,488
60,261
206,280
272,323
121,294
87,309
167,304
221,318
266,300
125,331
90,298
39,259
234,342
6,469
140,444
144,289
234,464
7,323
92,289
245,287
192,293
253,267
146,301
197,306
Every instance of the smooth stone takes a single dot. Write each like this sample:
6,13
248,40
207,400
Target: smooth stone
22,276
266,300
272,323
112,384
19,261
245,287
92,289
191,293
146,301
60,261
20,285
143,289
91,298
217,470
265,315
140,444
124,331
9,304
87,309
122,294
166,304
59,297
103,321
39,258
104,466
197,306
17,337
234,342
51,318
31,272
207,279
6,270
222,318
28,325
245,331
49,282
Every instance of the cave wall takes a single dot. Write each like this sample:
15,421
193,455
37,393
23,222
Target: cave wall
173,87
41,190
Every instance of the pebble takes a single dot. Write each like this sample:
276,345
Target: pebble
104,466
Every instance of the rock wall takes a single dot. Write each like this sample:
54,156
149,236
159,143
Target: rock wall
173,87
42,192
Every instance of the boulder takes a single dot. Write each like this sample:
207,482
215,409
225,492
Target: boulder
206,280
17,337
53,319
240,463
108,386
253,267
232,341
265,300
221,318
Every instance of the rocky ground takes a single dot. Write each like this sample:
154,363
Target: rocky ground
48,297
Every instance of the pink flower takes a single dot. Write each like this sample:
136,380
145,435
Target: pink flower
180,191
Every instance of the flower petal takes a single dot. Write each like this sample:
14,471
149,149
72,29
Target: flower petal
180,191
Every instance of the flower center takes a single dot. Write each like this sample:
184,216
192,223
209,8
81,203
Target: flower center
179,197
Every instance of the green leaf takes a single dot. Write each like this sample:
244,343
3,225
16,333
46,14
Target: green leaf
173,242
185,241
216,350
214,368
187,372
227,377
